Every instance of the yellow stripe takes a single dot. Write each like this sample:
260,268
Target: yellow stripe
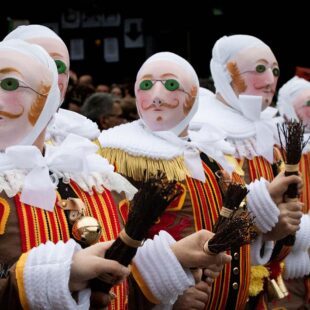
143,286
106,215
196,211
36,228
26,226
20,280
5,216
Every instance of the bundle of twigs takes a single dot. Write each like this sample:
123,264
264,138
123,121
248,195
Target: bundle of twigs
146,207
235,226
233,196
235,232
291,136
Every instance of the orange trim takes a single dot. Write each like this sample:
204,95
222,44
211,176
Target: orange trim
304,167
206,201
179,201
123,207
37,225
19,272
4,214
143,286
102,207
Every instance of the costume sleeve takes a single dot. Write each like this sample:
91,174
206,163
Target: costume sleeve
261,251
262,206
39,279
297,263
158,273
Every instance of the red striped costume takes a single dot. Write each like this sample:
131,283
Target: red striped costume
198,207
37,226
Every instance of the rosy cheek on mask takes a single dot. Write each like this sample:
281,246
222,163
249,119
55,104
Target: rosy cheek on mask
62,84
11,103
144,100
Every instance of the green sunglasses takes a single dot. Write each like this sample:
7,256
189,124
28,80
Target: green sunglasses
61,66
11,84
170,84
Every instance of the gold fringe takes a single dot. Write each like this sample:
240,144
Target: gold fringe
141,168
258,274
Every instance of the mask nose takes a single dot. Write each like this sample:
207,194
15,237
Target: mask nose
157,101
269,77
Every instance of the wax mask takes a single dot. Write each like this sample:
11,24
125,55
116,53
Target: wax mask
301,104
165,94
256,73
24,85
59,52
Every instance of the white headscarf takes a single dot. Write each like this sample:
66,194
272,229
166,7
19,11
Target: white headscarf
248,106
207,140
53,98
287,94
28,32
187,67
31,32
224,49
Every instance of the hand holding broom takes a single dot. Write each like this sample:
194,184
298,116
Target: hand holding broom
291,135
146,207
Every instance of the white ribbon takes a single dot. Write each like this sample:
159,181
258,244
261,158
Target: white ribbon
209,141
38,189
265,127
72,156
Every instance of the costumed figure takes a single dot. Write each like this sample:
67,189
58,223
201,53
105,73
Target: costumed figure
64,121
55,199
245,73
167,89
294,104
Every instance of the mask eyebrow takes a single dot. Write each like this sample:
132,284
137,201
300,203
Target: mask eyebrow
147,76
9,70
168,74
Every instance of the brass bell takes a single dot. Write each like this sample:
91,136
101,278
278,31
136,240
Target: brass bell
86,230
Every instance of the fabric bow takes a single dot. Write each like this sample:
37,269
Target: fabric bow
207,140
69,157
264,124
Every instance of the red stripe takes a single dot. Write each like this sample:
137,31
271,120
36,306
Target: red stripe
31,230
64,229
41,225
53,227
110,234
22,227
113,209
194,199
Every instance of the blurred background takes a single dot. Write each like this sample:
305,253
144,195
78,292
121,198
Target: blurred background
110,40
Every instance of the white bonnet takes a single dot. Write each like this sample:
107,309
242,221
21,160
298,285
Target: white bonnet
224,49
53,98
287,94
188,69
26,32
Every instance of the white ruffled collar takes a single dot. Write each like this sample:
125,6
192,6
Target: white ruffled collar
66,122
75,159
240,131
136,140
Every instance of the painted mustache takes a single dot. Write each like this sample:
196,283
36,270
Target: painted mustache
12,115
146,107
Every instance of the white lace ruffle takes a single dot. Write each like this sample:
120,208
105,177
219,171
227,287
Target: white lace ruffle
111,181
11,181
66,122
244,147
